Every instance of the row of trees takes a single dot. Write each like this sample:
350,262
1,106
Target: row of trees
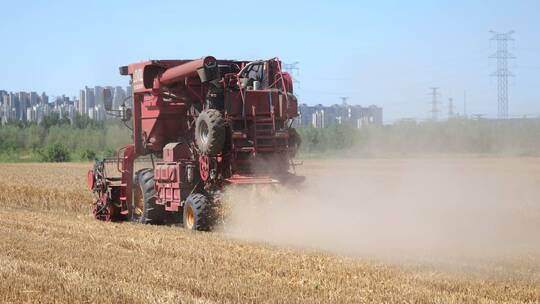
57,139
460,136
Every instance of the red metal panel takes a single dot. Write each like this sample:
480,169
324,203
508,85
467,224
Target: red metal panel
292,108
242,179
176,151
168,185
183,71
260,100
90,179
233,103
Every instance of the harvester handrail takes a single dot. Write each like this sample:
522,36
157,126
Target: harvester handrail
283,84
243,99
118,162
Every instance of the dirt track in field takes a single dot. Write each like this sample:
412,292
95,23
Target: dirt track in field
482,247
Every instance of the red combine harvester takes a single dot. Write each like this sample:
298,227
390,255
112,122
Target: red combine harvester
212,123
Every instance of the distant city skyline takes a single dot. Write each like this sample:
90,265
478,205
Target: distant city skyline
33,107
29,106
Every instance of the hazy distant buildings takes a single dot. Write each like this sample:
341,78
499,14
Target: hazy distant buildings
129,97
81,104
23,103
93,100
119,97
33,107
98,96
89,99
17,106
44,98
320,116
33,98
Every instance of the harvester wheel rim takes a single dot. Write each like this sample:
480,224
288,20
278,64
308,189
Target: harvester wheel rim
204,132
190,217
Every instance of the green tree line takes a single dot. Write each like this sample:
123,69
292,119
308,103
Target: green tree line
457,136
57,139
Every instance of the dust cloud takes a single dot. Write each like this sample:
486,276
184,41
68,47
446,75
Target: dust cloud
399,209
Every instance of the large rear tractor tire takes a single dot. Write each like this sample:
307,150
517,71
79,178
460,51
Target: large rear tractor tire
210,132
198,213
144,208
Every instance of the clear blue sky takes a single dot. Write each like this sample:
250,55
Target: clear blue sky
376,52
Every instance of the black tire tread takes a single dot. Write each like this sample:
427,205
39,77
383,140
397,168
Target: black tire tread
152,213
202,211
216,136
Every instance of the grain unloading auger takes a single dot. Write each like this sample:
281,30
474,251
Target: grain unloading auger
211,123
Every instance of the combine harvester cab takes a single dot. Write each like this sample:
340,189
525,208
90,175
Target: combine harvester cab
212,123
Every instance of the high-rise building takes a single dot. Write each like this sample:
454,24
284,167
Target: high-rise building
129,97
83,109
3,105
98,96
92,113
71,112
7,113
2,95
5,100
89,98
58,101
30,114
44,98
46,109
99,113
33,98
24,100
119,97
13,101
318,119
39,113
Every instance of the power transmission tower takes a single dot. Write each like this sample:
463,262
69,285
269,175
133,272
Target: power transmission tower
344,100
450,108
434,104
293,69
502,55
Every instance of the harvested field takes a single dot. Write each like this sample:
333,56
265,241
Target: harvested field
475,241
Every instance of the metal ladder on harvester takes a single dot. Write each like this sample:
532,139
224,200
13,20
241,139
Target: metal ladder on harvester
264,129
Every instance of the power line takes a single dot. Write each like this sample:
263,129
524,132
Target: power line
434,104
502,55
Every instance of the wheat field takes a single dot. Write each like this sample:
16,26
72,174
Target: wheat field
52,251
